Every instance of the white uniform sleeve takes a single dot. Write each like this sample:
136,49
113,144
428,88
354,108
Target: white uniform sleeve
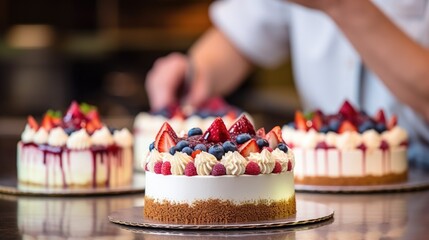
258,28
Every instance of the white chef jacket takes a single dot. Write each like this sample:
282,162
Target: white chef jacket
327,68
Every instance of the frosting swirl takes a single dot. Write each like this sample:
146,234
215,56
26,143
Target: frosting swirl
153,157
396,136
123,138
79,140
28,134
331,139
234,162
57,137
204,163
348,140
265,161
102,137
371,139
41,136
178,163
281,157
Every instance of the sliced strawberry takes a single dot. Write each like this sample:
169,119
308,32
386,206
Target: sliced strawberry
348,111
169,129
347,126
300,121
33,123
195,153
393,121
248,147
274,137
74,116
90,128
316,122
165,142
47,123
242,125
231,114
380,117
94,118
216,132
261,132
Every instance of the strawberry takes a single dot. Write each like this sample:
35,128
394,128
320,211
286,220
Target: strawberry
393,121
231,114
316,121
252,168
300,121
261,132
250,146
74,116
165,142
190,169
47,123
379,117
94,118
242,125
346,126
166,168
277,167
169,129
90,128
195,153
274,137
347,111
216,132
32,122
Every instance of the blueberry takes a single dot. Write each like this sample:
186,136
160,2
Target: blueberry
283,147
201,147
334,125
367,125
204,114
194,131
181,144
187,150
151,146
163,112
380,127
69,130
112,130
229,146
217,151
242,138
262,143
172,150
292,125
324,129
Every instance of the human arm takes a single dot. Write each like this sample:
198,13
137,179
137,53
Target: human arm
400,62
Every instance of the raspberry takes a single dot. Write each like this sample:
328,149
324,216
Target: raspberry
190,169
277,168
157,167
166,168
289,166
252,168
145,167
218,169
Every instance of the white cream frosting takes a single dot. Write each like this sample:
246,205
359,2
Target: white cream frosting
348,140
57,137
281,157
79,140
234,162
310,139
265,161
179,162
102,137
204,163
331,139
371,139
166,157
28,134
123,138
395,136
41,136
298,137
287,134
153,157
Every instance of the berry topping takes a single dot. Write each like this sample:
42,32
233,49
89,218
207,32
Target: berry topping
145,167
69,130
393,121
380,127
195,153
316,121
324,129
274,137
347,111
277,167
187,150
334,125
190,169
201,147
218,169
300,121
283,147
229,146
166,168
166,128
217,151
289,166
151,146
248,147
181,144
261,132
74,116
216,132
252,168
322,145
379,117
172,150
165,142
33,123
366,125
47,123
194,132
347,126
242,125
262,143
242,138
157,167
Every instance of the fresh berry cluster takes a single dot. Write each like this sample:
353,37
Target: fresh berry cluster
218,140
77,117
347,119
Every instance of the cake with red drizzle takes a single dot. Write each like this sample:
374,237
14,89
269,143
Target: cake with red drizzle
347,148
146,125
219,176
77,150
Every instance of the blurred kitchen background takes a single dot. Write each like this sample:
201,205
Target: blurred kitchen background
52,52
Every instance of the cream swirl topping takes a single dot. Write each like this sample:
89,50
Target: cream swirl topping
265,161
123,138
41,136
282,157
28,134
153,157
234,162
331,139
371,139
178,163
102,137
348,140
204,163
79,140
396,136
310,139
57,137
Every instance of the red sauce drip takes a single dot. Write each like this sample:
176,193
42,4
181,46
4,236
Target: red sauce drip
363,148
384,146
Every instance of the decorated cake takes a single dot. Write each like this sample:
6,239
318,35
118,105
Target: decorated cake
219,175
146,125
347,148
76,150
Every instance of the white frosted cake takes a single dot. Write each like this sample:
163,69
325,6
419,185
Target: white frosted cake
74,151
347,148
219,176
